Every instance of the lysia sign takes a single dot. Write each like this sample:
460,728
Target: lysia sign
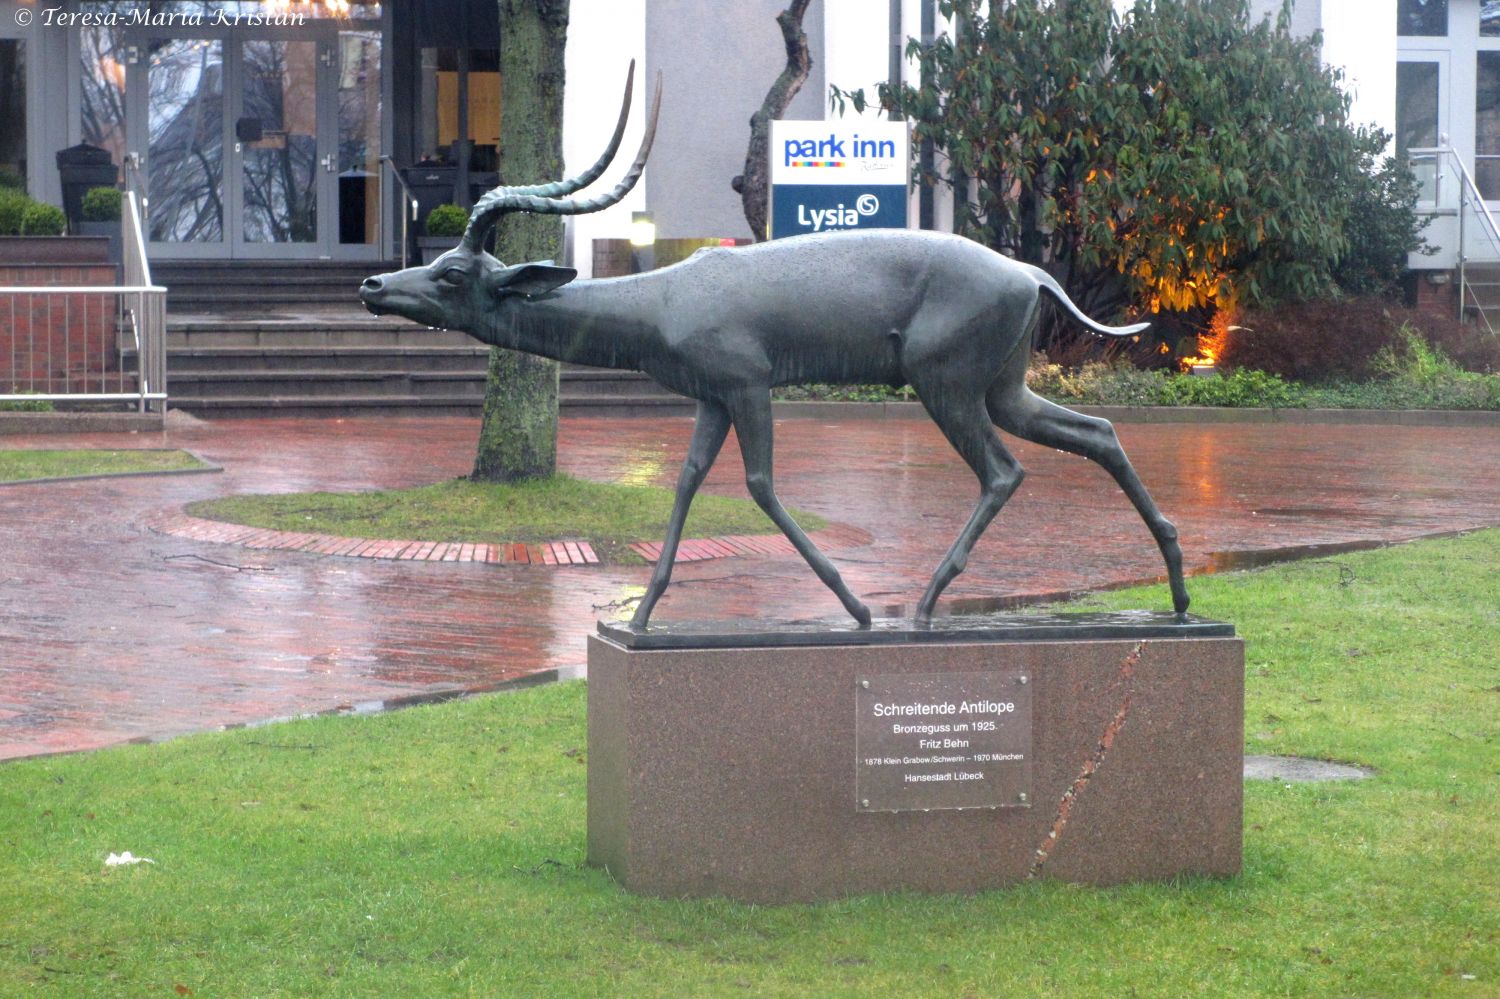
828,175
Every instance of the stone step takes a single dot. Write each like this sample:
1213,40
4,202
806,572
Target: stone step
324,384
331,406
341,358
320,335
435,405
287,382
217,285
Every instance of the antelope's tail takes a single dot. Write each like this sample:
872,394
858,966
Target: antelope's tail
1049,284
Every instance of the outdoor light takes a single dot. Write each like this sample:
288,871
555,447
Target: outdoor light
642,229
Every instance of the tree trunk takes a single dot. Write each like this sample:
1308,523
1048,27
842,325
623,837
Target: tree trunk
518,437
754,183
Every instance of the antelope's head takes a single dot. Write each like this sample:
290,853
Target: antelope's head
463,286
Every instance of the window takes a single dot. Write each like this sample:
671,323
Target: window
1422,17
12,109
1416,105
1489,18
1487,126
102,54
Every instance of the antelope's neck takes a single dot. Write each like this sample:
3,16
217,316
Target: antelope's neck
606,323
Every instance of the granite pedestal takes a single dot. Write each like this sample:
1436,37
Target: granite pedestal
730,771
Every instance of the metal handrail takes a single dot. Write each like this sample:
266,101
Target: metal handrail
409,214
139,313
132,171
1469,197
1471,191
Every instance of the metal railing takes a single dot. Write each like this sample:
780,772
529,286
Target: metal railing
408,210
1478,233
1472,206
70,343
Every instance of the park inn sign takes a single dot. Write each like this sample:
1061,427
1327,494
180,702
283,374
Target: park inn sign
831,175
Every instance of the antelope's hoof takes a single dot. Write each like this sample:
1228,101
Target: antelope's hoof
862,615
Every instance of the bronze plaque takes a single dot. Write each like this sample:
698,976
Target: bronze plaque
942,740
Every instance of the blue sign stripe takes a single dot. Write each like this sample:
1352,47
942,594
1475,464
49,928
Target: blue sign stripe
799,208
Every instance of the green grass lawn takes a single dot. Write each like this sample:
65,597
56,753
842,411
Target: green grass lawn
460,510
439,851
18,466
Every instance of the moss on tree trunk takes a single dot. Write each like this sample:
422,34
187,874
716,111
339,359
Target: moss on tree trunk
518,438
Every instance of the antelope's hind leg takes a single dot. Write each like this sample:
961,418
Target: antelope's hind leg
751,412
963,419
1018,410
709,431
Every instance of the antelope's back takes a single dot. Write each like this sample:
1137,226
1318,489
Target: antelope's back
839,280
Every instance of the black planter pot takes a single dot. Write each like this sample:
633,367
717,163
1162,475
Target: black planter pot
433,247
108,229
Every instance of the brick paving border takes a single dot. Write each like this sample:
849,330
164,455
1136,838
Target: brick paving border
567,552
729,546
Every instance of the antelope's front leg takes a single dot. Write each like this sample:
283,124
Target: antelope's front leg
709,431
751,411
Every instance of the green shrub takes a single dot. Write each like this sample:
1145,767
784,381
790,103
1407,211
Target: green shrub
1427,377
1240,388
39,406
447,220
13,205
101,204
11,181
1096,383
40,219
1381,228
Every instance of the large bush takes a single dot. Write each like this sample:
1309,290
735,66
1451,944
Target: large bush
1178,158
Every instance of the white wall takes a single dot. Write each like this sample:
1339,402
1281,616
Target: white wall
603,36
856,49
1359,37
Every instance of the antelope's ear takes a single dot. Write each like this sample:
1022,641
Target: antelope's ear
530,279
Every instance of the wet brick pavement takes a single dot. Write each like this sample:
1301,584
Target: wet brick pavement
111,631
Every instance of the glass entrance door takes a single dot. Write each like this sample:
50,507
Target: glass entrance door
181,121
279,160
260,146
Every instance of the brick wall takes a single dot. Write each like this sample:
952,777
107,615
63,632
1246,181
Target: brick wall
1437,299
59,343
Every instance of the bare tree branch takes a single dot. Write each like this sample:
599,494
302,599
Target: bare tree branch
752,186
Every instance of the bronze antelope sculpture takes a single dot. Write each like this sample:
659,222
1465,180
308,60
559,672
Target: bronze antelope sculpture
938,312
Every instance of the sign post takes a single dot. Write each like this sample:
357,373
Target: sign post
831,175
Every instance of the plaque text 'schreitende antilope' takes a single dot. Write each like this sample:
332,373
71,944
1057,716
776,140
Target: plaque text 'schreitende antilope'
940,313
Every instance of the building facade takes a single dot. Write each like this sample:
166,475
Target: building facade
258,129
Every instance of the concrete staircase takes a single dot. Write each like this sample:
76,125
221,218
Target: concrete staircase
1481,293
292,339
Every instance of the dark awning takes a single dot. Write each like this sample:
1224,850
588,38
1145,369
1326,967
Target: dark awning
472,24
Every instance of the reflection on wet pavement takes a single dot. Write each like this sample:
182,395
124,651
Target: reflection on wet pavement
110,632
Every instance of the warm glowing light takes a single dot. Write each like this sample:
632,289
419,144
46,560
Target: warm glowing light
337,8
1211,342
642,229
